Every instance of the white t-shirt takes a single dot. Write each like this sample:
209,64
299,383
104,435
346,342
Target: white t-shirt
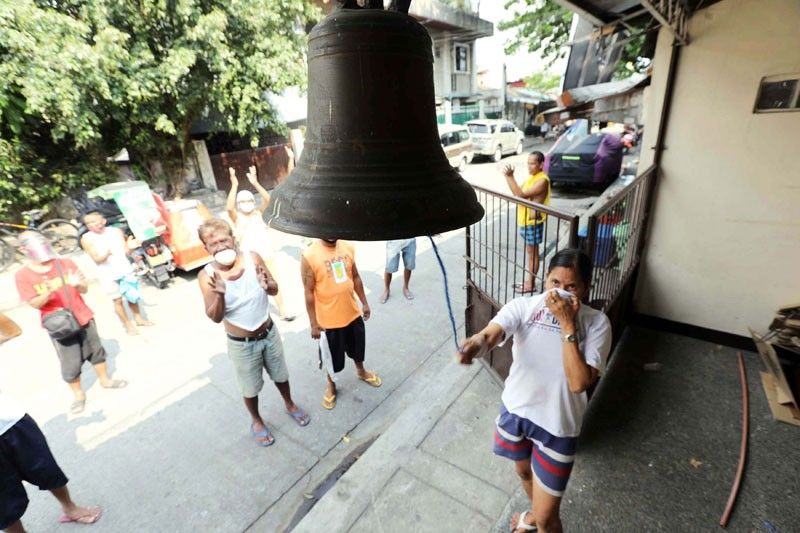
10,412
536,387
251,231
117,265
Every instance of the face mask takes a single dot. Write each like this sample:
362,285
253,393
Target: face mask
246,207
225,257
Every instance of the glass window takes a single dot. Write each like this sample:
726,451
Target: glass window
478,128
463,135
462,64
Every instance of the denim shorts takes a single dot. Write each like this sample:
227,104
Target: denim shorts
394,249
251,358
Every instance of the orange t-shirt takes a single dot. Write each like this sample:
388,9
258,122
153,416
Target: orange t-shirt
334,295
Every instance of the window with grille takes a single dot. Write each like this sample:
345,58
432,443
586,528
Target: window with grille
778,93
462,58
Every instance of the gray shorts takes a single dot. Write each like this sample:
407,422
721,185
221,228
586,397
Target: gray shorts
72,352
249,358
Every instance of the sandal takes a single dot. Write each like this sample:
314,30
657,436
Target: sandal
270,440
115,384
86,515
520,288
373,380
521,524
300,416
329,402
77,406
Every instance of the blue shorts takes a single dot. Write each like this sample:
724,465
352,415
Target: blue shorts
24,456
517,438
394,249
533,235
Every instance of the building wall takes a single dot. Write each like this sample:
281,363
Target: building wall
724,245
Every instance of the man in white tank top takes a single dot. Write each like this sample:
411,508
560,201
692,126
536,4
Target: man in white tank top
107,247
252,232
235,289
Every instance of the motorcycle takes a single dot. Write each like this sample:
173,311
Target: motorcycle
153,260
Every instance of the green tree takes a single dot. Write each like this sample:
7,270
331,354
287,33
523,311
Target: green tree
543,81
543,26
99,75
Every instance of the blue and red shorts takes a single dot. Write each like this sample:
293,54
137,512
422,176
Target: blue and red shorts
533,234
517,438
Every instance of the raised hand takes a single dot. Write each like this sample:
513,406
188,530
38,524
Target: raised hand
234,179
508,170
252,177
217,284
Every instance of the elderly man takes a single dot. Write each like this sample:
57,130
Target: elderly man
531,223
49,284
331,281
235,289
107,247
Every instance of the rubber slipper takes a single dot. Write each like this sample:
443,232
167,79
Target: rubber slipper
519,288
329,402
383,298
300,416
409,295
116,384
521,524
77,406
90,518
373,380
262,435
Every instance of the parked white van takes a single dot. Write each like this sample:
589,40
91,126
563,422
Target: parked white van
457,144
495,138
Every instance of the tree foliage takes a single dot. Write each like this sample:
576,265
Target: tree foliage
85,78
543,26
543,81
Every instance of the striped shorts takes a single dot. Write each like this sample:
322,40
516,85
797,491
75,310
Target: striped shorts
517,438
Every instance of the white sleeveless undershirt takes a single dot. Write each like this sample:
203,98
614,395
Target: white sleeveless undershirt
246,301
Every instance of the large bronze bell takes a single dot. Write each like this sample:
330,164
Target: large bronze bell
372,167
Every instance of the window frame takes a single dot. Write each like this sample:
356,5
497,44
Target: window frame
456,48
794,101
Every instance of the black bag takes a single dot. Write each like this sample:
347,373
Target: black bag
62,324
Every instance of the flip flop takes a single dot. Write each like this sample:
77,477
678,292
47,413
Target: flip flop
262,435
90,518
287,318
383,298
329,402
77,406
116,384
409,295
521,524
373,380
300,416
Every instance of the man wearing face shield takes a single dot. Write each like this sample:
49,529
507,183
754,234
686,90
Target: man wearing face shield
235,288
251,230
48,287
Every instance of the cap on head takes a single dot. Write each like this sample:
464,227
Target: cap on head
245,196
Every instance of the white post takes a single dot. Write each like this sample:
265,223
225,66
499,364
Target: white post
481,108
448,111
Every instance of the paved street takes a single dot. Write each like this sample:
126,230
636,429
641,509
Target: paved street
172,451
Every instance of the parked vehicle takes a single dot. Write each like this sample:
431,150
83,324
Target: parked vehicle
581,157
140,217
495,138
457,144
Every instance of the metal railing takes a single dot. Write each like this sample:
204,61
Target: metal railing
615,238
496,256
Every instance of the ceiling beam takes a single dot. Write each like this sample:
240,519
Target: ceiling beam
671,14
580,9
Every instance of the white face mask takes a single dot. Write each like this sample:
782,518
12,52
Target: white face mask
246,207
225,257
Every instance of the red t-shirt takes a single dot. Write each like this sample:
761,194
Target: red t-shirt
31,284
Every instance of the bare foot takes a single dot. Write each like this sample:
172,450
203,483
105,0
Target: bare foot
131,329
384,297
81,515
408,294
143,322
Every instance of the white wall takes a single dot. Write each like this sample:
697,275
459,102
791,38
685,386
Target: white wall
724,246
